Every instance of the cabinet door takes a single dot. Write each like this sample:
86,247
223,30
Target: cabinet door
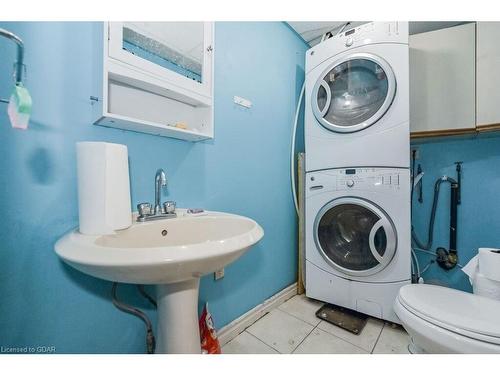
176,52
442,81
488,73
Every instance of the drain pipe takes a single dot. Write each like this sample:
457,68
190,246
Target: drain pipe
150,338
448,259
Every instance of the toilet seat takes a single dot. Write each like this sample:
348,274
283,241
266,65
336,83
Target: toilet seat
461,313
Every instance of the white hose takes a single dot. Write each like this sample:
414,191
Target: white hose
292,150
427,266
425,251
416,263
292,166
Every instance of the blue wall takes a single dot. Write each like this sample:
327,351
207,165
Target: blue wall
478,215
243,170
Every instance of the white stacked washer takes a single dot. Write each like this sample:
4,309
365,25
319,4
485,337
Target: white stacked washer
358,237
357,168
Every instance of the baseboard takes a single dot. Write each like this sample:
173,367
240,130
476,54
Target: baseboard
233,329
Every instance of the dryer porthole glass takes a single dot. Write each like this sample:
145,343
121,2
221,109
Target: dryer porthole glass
358,88
322,98
353,93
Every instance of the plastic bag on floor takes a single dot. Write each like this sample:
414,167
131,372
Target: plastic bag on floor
208,335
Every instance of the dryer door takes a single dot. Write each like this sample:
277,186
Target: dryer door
353,93
355,236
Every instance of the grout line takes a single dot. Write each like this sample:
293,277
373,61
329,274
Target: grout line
357,346
313,327
239,324
302,320
304,339
277,351
298,317
317,326
259,318
343,339
378,338
339,338
245,330
293,316
263,315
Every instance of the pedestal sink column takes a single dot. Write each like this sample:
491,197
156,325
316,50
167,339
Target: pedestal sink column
177,330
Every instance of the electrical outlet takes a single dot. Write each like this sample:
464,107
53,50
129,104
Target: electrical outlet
242,101
219,274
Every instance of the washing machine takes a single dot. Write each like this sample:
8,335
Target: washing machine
357,238
357,99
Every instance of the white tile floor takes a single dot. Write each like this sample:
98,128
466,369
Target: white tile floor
293,328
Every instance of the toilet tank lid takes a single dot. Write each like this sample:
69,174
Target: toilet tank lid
453,309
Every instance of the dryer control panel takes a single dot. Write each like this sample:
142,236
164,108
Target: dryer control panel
366,34
355,179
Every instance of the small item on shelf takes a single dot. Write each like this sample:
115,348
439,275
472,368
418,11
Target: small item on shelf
196,212
181,125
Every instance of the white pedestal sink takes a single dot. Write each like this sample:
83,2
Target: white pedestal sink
172,254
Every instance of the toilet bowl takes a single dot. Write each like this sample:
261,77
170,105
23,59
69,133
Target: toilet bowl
445,320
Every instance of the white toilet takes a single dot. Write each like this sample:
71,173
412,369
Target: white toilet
445,320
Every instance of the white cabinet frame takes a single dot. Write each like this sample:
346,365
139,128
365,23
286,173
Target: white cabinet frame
117,52
132,93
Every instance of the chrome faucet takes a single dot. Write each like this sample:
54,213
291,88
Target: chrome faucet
146,212
160,181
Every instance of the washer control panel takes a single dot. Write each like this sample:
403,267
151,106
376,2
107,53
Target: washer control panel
352,179
362,178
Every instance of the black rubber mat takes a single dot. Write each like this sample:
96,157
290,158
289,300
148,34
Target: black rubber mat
350,320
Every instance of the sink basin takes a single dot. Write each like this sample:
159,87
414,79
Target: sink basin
170,253
163,251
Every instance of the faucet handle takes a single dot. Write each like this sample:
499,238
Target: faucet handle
144,209
169,207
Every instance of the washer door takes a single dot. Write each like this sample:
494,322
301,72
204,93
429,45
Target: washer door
353,93
355,236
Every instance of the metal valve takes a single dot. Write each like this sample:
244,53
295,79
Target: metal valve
144,209
169,207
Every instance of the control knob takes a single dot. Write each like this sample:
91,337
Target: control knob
350,183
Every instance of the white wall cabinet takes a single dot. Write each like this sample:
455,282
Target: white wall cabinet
156,78
442,81
488,75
